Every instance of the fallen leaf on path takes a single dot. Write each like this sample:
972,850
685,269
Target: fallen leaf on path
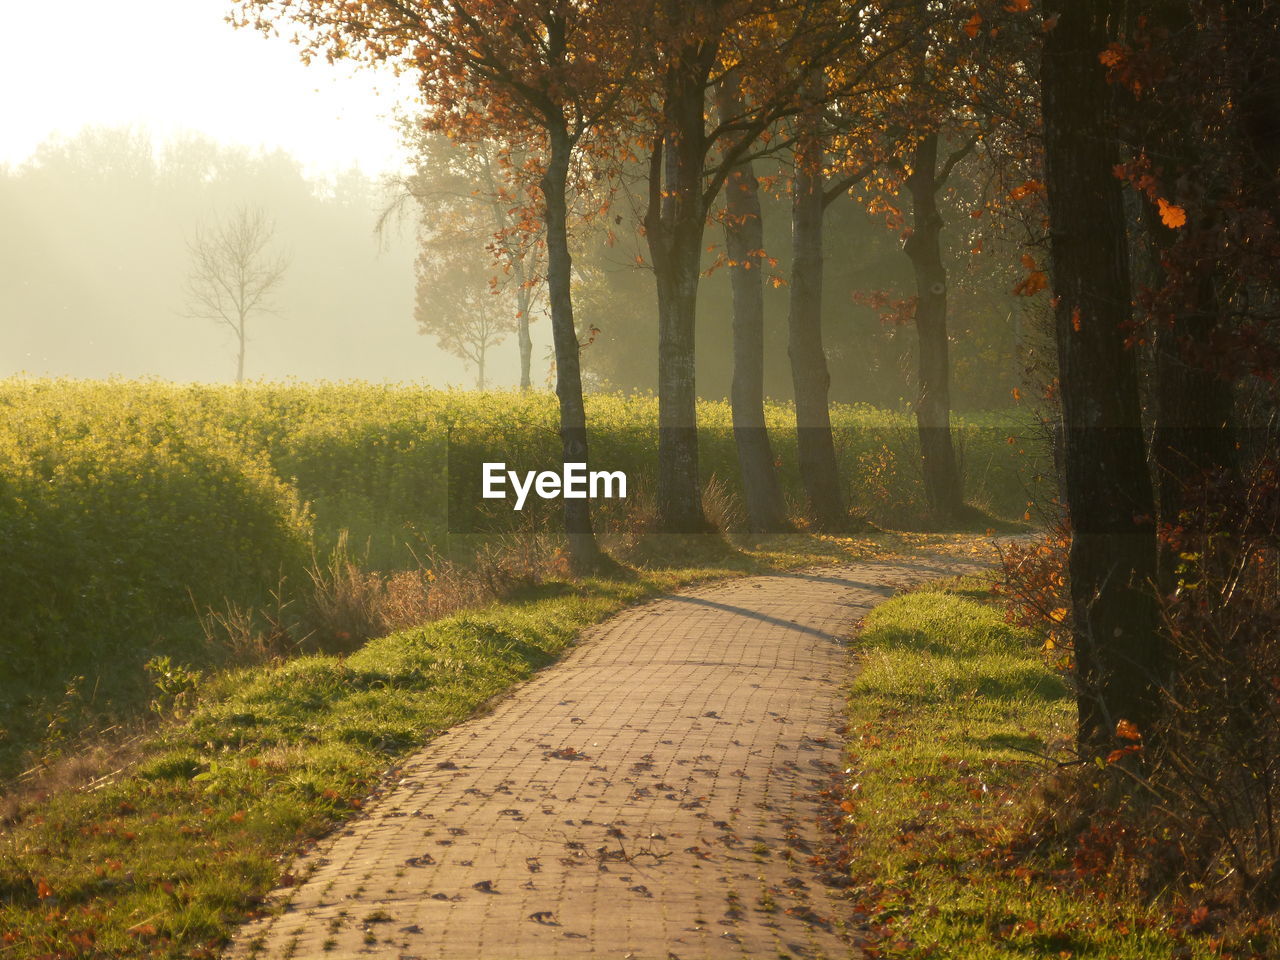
567,753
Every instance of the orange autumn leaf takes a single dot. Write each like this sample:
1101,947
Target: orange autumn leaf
1111,56
1035,280
1127,731
1018,6
43,890
1171,215
1075,319
1026,188
1017,395
973,25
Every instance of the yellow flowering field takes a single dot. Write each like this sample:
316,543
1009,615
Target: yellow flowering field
126,506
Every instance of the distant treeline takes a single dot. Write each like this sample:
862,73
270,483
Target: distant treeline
94,233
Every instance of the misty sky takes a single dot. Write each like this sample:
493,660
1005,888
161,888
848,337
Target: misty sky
174,65
177,70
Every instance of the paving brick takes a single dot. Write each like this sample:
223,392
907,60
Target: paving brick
652,795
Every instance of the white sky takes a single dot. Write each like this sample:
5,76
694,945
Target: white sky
174,65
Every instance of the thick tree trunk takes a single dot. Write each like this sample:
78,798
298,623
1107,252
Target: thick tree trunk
942,485
809,374
1120,660
674,225
1259,101
583,551
744,241
1193,441
675,265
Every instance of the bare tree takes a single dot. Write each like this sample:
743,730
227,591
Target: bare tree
234,273
459,305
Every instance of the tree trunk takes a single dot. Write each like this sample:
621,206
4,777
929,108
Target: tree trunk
1120,660
1260,104
923,247
523,304
744,241
1193,441
679,491
240,333
583,551
809,374
674,225
480,369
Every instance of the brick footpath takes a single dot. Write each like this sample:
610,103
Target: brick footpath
652,795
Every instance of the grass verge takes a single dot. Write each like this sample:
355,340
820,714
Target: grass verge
165,858
947,717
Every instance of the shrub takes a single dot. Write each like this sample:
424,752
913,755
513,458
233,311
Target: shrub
112,517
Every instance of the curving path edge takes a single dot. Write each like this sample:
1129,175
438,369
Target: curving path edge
654,794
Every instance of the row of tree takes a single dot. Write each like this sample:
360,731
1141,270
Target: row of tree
692,94
1108,131
479,284
1162,165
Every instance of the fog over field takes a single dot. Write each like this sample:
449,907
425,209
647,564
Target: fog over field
97,230
158,119
163,126
95,261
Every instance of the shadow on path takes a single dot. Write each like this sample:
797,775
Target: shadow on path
754,615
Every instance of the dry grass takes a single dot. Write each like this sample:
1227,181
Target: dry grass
94,759
342,605
722,507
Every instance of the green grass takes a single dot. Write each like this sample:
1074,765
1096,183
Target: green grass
127,505
950,708
166,858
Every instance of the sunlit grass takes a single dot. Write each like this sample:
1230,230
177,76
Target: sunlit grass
951,718
166,858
